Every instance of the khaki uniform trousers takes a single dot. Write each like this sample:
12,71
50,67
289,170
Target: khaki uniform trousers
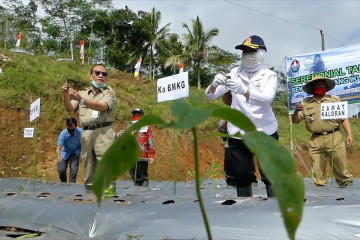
94,144
321,150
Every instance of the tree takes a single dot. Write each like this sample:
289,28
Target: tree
3,24
281,80
197,48
151,22
122,34
22,18
69,16
167,48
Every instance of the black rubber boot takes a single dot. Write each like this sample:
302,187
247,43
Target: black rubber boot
145,183
244,191
270,191
230,182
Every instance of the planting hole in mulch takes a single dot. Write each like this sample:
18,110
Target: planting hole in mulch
20,232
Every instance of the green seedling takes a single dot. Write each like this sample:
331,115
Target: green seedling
43,177
276,162
109,192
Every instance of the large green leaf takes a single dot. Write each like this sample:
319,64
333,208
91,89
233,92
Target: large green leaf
121,156
235,117
280,168
274,159
190,113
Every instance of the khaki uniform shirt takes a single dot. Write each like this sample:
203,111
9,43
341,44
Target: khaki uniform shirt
311,113
88,116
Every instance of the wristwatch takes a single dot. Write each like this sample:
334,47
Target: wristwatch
82,102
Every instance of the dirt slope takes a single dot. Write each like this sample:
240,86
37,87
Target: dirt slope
17,154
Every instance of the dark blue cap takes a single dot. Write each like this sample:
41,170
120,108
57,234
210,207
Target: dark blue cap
254,42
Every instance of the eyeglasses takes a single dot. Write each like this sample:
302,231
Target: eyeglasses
97,73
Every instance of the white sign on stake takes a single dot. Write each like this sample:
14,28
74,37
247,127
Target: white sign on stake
173,87
28,132
35,110
334,110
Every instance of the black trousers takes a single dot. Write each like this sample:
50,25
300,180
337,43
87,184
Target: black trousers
240,163
141,169
62,166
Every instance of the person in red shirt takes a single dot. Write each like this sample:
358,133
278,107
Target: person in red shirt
139,173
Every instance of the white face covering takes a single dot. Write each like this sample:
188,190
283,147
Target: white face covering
252,61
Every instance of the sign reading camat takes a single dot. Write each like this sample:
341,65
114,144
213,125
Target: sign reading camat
28,132
334,110
173,87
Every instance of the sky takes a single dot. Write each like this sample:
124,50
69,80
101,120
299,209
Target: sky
289,28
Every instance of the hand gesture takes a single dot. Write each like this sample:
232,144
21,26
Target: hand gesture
236,85
219,79
298,107
65,89
74,94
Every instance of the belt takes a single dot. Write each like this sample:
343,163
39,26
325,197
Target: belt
97,125
326,133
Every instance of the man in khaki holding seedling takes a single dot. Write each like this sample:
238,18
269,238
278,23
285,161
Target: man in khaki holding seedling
95,106
326,138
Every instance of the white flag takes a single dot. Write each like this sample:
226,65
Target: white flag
18,38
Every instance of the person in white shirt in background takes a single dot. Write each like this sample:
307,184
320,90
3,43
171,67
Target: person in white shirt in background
252,90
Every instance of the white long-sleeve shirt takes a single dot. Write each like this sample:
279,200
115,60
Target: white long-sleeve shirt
262,86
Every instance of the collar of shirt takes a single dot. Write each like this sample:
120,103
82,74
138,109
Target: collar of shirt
326,97
90,89
243,74
76,133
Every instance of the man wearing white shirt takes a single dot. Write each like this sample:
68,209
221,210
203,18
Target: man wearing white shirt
252,88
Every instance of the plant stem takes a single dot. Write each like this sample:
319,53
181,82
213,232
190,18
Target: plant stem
197,180
332,156
34,163
174,159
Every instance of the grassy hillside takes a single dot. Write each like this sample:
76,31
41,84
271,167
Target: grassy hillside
26,78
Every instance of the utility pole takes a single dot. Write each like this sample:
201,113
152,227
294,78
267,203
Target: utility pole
6,30
72,49
91,36
322,40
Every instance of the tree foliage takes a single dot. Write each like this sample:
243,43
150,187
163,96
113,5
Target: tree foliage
20,18
150,22
197,49
117,37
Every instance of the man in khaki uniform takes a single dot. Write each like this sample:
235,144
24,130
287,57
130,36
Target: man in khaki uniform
95,106
326,138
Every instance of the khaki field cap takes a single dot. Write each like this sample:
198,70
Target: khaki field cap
308,87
